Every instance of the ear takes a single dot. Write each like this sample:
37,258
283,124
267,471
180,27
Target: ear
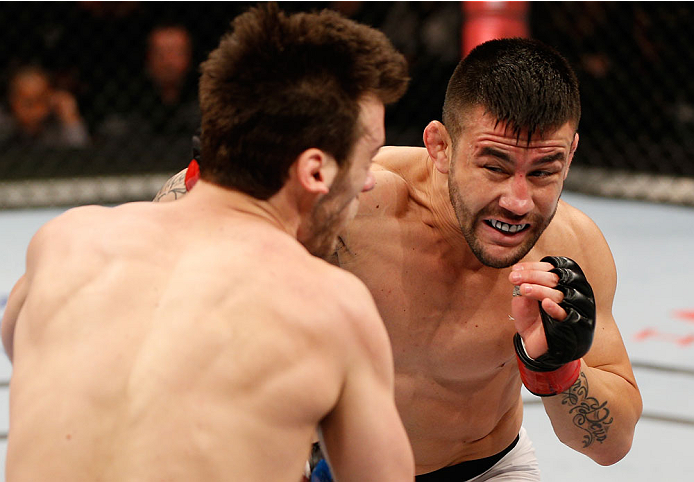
315,171
438,144
574,146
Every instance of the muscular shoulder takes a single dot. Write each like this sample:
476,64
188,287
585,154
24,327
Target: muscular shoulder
572,227
96,219
69,223
89,227
574,234
349,306
342,290
63,236
398,172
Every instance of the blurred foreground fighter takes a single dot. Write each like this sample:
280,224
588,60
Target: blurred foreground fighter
201,339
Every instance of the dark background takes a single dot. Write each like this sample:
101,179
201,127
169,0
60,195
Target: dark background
634,62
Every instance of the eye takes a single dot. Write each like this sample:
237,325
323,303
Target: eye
542,173
494,169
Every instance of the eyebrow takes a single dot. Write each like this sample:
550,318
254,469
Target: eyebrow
502,156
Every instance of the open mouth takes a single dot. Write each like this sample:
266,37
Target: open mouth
506,228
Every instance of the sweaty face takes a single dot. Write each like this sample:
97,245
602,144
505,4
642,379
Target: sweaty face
335,209
505,191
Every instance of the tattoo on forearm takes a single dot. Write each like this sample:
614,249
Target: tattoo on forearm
590,415
176,186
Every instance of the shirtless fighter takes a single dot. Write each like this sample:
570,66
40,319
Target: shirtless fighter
182,341
452,243
446,238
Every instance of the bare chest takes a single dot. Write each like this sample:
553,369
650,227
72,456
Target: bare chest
445,323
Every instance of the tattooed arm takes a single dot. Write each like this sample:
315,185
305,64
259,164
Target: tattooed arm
598,414
173,189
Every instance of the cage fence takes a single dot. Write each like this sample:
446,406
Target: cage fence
634,61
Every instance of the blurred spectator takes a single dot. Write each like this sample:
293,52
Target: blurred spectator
168,62
165,107
40,115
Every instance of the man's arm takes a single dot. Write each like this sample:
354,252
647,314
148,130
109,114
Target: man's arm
172,189
363,435
12,309
19,292
597,415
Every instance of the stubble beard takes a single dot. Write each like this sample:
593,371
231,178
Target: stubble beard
327,219
323,241
467,221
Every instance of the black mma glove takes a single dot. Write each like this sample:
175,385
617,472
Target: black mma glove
567,340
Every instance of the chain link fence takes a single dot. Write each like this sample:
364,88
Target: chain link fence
635,61
124,76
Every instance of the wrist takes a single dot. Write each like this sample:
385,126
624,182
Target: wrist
543,380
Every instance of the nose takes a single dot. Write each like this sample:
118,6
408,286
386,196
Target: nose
369,182
516,197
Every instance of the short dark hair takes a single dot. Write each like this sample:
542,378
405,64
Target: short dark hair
280,84
524,83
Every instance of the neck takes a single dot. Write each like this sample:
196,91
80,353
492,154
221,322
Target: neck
442,209
445,219
277,211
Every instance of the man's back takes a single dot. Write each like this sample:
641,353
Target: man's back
152,356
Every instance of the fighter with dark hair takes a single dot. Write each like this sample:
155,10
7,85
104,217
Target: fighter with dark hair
486,279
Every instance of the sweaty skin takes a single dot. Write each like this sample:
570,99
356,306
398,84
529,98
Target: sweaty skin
143,394
447,314
198,340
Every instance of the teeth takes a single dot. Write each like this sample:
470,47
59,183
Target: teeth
507,228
